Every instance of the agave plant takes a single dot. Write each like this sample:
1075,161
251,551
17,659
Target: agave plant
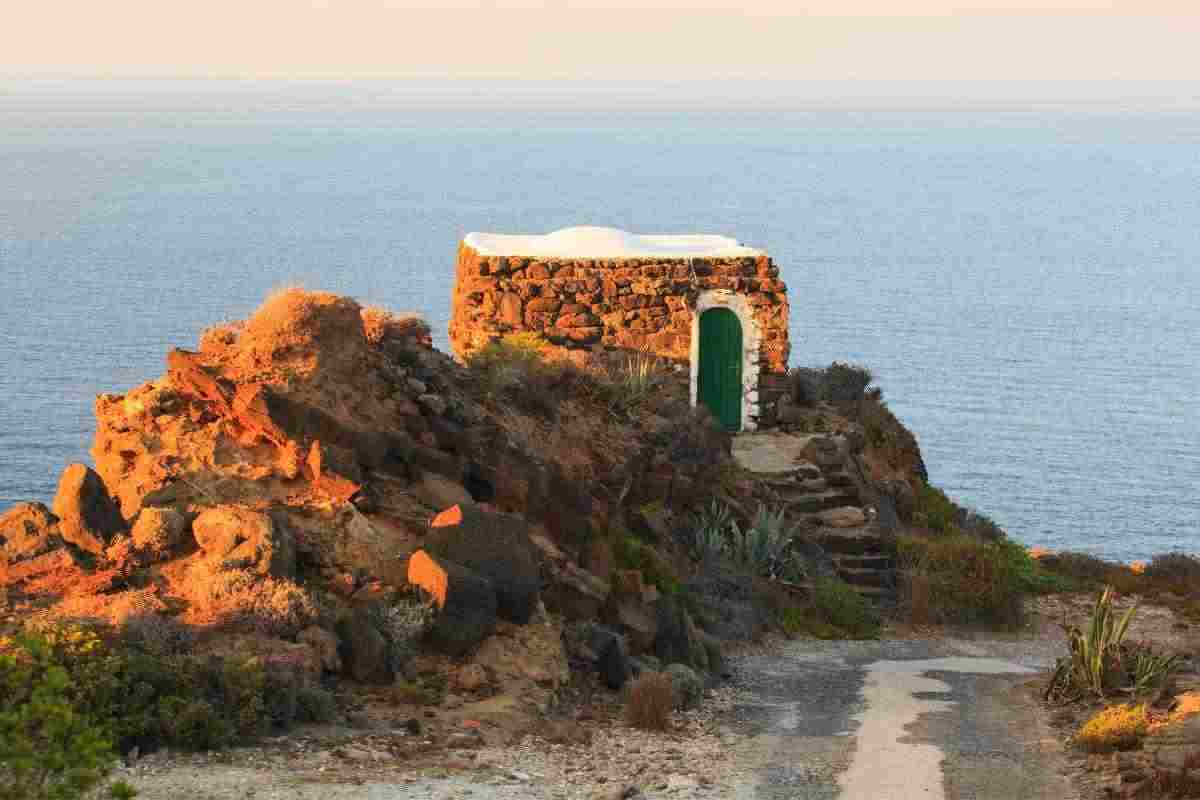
1100,662
1149,668
765,546
713,528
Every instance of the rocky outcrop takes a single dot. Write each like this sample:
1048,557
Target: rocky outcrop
278,482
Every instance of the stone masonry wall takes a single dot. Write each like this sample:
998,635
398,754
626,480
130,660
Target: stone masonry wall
625,303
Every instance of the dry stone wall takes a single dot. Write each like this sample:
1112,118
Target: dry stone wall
620,303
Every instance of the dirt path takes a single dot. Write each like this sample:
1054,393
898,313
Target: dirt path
937,719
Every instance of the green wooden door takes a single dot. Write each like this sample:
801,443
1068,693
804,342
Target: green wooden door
720,378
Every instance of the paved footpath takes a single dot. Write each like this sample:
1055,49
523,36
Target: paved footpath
898,720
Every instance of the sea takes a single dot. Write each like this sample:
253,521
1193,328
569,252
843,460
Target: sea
1022,278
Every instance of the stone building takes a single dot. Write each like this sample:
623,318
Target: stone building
704,301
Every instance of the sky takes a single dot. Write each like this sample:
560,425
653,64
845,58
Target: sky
913,40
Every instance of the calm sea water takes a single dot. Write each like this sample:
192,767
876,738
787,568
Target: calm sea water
1026,286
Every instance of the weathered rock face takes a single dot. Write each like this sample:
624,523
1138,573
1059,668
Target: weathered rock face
364,649
87,516
643,304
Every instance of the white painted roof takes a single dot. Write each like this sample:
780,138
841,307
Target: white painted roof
589,241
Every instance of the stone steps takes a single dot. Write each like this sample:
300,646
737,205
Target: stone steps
839,542
839,479
858,577
802,502
875,561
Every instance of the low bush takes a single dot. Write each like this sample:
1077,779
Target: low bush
1089,572
633,553
686,686
149,699
839,605
1120,727
838,383
957,578
1176,573
651,698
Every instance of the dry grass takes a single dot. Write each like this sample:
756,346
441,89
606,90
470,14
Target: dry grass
650,701
380,324
295,323
959,579
1120,727
240,600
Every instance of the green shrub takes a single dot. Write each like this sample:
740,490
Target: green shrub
839,605
1028,571
315,705
633,553
686,685
935,510
838,383
957,578
148,700
50,749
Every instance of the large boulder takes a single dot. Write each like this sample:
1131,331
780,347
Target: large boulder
367,653
87,516
440,492
325,644
598,647
28,530
495,546
159,533
529,654
466,601
244,538
612,659
628,610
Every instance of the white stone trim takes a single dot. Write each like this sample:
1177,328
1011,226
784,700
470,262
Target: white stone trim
751,337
